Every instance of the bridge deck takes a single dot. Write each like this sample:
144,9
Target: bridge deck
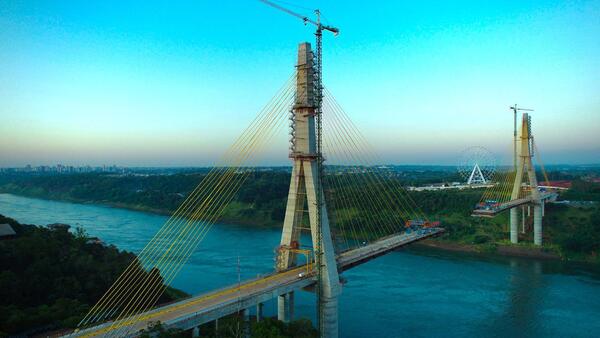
192,312
492,212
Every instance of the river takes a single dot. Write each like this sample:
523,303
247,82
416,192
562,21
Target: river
416,292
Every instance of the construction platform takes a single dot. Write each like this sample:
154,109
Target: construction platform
195,311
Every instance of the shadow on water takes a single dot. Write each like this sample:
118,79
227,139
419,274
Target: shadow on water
545,266
543,298
525,288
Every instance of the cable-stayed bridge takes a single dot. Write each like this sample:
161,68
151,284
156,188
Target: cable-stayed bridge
519,187
190,313
352,209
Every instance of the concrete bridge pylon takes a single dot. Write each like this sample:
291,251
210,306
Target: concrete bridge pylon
525,165
305,188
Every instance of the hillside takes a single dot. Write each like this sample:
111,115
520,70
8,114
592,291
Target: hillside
49,278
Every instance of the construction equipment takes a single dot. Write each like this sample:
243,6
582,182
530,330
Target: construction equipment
293,248
415,224
305,19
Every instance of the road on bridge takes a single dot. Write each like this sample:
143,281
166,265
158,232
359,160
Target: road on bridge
194,311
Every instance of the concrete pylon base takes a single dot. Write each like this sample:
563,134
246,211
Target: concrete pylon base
330,317
259,311
285,307
537,224
514,226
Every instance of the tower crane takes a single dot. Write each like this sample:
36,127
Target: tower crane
306,19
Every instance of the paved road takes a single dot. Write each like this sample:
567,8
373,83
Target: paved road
201,303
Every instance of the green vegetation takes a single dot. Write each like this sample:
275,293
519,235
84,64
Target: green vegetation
233,326
576,231
157,330
50,278
156,193
261,201
570,231
273,328
583,191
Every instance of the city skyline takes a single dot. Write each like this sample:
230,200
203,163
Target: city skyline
158,85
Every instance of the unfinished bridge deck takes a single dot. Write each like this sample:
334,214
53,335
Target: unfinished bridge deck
492,212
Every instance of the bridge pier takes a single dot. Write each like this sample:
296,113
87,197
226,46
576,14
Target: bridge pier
514,225
259,311
285,307
523,219
246,323
537,223
330,316
196,332
543,208
538,215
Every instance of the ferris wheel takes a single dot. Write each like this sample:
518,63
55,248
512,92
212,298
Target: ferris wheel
477,165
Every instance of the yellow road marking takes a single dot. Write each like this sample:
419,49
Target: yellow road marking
196,301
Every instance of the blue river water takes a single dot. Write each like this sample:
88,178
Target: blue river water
416,292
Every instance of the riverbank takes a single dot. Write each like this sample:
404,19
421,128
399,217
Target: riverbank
499,249
50,277
505,249
145,209
449,243
233,214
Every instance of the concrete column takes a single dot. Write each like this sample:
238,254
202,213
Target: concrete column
537,224
291,306
330,317
246,322
514,226
196,332
259,311
217,327
523,219
543,209
283,308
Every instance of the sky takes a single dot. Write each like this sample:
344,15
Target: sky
173,83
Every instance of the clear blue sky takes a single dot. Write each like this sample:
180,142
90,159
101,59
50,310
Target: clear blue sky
173,83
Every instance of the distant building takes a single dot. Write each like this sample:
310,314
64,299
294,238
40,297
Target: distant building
6,231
